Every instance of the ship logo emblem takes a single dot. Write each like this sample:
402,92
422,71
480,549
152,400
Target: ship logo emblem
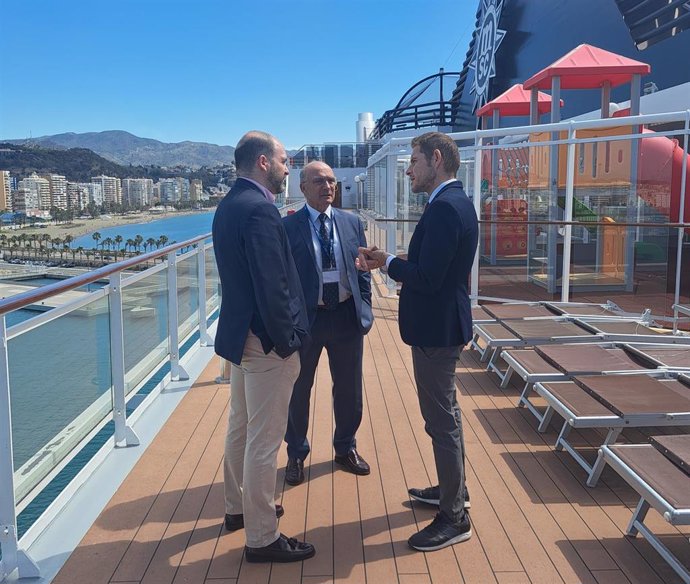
487,41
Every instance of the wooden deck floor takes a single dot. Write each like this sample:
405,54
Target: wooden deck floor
534,519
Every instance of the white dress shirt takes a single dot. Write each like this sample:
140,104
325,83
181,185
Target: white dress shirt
344,290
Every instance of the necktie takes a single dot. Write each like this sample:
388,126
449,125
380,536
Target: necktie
330,294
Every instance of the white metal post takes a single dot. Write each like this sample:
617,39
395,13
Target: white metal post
681,219
204,339
12,557
124,435
391,211
177,372
569,200
477,200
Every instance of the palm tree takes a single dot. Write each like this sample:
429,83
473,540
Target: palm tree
138,240
163,239
107,242
117,240
96,236
150,242
68,240
129,243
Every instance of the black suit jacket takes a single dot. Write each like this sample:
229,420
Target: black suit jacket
434,306
351,235
260,285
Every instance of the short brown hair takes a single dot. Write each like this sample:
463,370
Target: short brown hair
431,141
252,145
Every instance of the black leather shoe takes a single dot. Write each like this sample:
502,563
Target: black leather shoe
353,463
235,522
432,496
294,471
441,533
283,549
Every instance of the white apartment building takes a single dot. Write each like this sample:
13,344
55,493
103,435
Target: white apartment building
137,192
5,191
58,190
111,188
38,187
78,195
25,200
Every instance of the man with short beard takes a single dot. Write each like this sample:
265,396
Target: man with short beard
261,327
435,318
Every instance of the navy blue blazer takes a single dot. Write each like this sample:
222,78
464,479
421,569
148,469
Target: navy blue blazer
351,235
434,308
260,285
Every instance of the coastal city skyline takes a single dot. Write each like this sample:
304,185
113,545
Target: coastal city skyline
209,71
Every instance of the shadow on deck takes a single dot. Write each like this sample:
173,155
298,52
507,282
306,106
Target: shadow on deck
534,519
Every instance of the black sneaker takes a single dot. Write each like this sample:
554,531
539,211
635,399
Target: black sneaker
441,533
432,496
284,549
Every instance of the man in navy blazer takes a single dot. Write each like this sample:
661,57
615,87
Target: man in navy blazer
262,324
324,242
435,318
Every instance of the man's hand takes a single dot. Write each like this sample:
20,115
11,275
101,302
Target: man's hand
370,258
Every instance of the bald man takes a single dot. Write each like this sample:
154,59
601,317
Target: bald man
324,243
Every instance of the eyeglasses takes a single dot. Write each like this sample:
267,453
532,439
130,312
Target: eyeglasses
320,181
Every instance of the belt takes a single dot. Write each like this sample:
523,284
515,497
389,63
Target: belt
343,303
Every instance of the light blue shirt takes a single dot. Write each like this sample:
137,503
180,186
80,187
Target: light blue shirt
344,290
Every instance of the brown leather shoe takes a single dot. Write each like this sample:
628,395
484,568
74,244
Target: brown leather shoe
284,549
234,522
353,462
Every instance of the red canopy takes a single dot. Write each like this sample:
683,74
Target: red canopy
588,67
516,102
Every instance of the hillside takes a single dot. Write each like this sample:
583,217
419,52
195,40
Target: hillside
125,148
80,164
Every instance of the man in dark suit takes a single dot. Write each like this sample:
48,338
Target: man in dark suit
436,320
262,325
324,243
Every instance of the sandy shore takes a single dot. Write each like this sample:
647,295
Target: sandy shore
81,227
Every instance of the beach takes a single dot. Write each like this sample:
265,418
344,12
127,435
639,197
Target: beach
80,227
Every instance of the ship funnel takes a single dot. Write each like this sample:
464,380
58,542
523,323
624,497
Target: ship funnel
365,124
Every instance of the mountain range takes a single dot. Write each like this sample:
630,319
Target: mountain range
125,148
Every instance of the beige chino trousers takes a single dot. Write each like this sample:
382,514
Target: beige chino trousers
260,390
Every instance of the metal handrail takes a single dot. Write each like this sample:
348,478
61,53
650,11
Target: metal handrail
34,296
546,222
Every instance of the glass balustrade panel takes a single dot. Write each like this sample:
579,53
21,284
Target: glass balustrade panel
187,296
212,282
145,318
59,387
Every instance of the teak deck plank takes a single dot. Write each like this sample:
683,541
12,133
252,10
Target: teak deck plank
534,519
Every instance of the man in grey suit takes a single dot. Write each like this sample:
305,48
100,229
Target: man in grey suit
324,243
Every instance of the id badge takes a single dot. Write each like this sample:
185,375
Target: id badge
330,276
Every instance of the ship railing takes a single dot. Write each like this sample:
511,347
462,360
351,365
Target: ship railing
73,377
575,207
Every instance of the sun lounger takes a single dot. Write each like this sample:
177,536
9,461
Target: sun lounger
660,473
562,362
612,403
495,337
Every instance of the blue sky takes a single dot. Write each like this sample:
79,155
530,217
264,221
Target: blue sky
208,70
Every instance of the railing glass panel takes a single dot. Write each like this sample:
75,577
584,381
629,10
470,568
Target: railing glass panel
145,316
212,282
60,389
187,295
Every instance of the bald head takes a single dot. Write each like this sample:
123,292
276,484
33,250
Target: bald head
318,184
